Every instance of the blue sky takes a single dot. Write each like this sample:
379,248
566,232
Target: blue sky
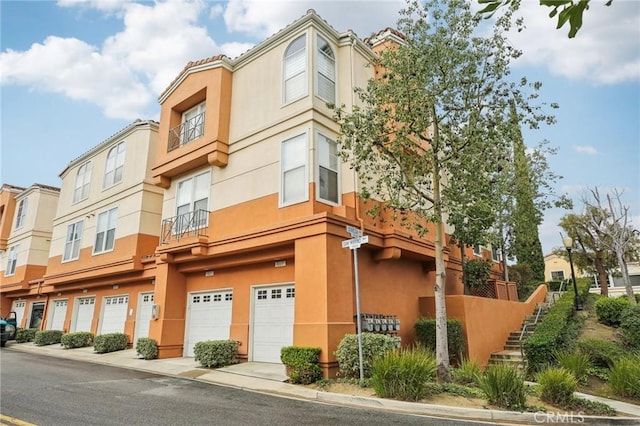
74,72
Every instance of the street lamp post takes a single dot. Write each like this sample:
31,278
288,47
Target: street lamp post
568,244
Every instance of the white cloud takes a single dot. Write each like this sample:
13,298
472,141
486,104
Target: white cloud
585,149
606,50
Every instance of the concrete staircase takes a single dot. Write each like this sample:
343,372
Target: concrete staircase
511,353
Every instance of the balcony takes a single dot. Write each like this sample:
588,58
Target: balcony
186,132
190,224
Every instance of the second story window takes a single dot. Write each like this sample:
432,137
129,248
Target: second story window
72,242
114,166
192,123
106,231
326,71
477,250
83,181
295,69
22,213
193,196
327,169
12,260
294,188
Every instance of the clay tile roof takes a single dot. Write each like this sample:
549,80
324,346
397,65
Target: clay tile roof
192,64
49,187
393,31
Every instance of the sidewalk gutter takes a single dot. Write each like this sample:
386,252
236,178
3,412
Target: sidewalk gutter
187,368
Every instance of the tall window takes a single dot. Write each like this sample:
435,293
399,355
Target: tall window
12,260
295,69
72,242
106,231
22,213
192,202
193,123
294,170
83,180
115,165
477,250
327,169
326,71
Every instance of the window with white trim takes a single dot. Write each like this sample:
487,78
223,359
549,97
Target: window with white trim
477,249
22,213
496,254
114,166
295,69
294,187
557,275
192,123
327,169
192,202
12,260
72,242
325,71
106,231
83,180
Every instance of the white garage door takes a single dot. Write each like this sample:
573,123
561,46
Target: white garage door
114,314
145,303
208,318
58,314
18,308
84,314
273,309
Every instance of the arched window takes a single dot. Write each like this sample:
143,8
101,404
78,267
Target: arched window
325,71
83,180
295,69
115,165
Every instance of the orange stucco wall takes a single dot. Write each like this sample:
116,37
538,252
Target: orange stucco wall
486,322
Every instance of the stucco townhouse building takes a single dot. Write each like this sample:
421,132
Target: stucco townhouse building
226,219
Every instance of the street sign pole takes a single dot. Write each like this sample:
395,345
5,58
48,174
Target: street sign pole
357,239
358,320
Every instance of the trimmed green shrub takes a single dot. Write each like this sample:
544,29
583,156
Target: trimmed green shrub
110,342
466,373
503,385
576,362
425,329
302,364
147,348
630,326
609,309
554,285
601,352
557,386
552,334
24,335
624,378
372,345
47,337
403,373
78,339
216,353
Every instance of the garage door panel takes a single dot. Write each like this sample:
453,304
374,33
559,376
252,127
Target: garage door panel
144,315
114,314
84,315
58,314
209,318
18,308
273,319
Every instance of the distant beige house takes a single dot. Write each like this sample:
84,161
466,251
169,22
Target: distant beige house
557,268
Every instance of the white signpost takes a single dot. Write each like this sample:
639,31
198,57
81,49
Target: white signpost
354,244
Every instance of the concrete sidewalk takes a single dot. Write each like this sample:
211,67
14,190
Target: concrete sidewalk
270,378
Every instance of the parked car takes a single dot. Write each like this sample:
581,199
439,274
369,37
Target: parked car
8,328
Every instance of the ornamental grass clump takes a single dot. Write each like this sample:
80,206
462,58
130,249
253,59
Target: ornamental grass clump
503,385
403,374
466,373
624,378
557,386
576,362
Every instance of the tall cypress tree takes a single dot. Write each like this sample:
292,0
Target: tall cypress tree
527,247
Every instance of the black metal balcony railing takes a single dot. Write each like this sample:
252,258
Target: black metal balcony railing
186,132
190,224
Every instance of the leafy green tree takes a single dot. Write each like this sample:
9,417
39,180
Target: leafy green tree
425,134
570,11
527,218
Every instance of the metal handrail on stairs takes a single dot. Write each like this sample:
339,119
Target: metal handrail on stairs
524,328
